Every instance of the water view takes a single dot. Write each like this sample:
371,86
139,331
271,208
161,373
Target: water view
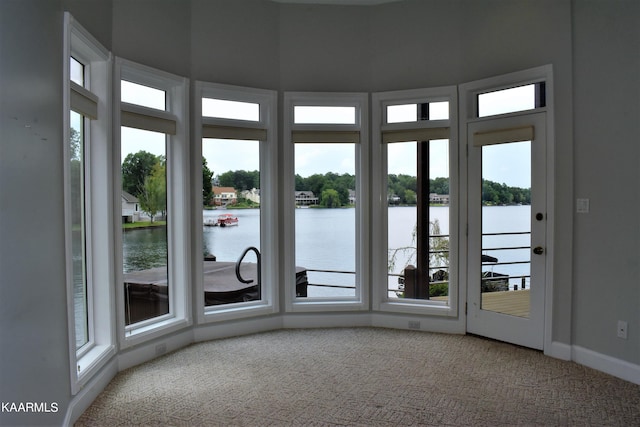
331,250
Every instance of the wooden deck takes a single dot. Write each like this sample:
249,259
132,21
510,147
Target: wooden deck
514,303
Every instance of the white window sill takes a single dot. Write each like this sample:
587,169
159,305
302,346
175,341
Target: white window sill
144,333
236,311
90,363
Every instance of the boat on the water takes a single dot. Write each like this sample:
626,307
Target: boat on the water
227,220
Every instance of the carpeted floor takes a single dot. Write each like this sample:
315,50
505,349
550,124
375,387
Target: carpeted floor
362,377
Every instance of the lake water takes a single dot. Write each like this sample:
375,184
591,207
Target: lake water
325,239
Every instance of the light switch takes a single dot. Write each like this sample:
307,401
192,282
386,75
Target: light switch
582,205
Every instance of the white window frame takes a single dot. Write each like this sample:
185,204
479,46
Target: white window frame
178,229
90,358
360,101
380,101
269,257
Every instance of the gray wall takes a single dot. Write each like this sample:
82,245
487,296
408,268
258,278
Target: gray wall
34,355
593,45
607,171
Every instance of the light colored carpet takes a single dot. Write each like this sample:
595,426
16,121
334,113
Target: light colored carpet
362,377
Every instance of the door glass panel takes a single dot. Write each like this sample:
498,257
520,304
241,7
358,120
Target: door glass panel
506,228
144,224
231,220
325,218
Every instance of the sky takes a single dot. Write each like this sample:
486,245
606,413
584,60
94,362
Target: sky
503,163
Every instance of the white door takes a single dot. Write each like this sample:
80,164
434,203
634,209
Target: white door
506,234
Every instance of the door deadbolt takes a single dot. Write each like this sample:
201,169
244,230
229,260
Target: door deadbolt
539,216
538,250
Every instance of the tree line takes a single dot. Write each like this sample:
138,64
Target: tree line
404,187
144,176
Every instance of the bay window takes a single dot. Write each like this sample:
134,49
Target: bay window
236,252
152,197
326,203
87,204
415,149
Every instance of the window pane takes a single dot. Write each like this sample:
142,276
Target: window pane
325,236
231,219
224,109
418,251
507,100
144,224
77,72
78,229
146,96
439,110
324,115
405,113
402,113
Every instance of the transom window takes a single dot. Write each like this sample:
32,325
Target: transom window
146,96
406,113
511,100
312,114
227,109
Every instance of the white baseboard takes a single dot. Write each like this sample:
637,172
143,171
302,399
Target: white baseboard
325,320
90,392
607,364
152,349
440,324
558,350
232,328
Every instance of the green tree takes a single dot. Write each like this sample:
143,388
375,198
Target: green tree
135,169
410,197
207,190
153,198
330,198
439,185
75,151
240,179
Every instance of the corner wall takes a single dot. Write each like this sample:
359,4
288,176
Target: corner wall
34,359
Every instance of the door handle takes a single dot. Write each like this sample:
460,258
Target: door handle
538,250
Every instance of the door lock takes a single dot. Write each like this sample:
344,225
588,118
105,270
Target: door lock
538,250
539,216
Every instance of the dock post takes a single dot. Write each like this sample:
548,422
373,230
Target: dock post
410,281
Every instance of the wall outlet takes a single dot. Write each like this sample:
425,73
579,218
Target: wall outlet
414,324
582,205
622,329
161,349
